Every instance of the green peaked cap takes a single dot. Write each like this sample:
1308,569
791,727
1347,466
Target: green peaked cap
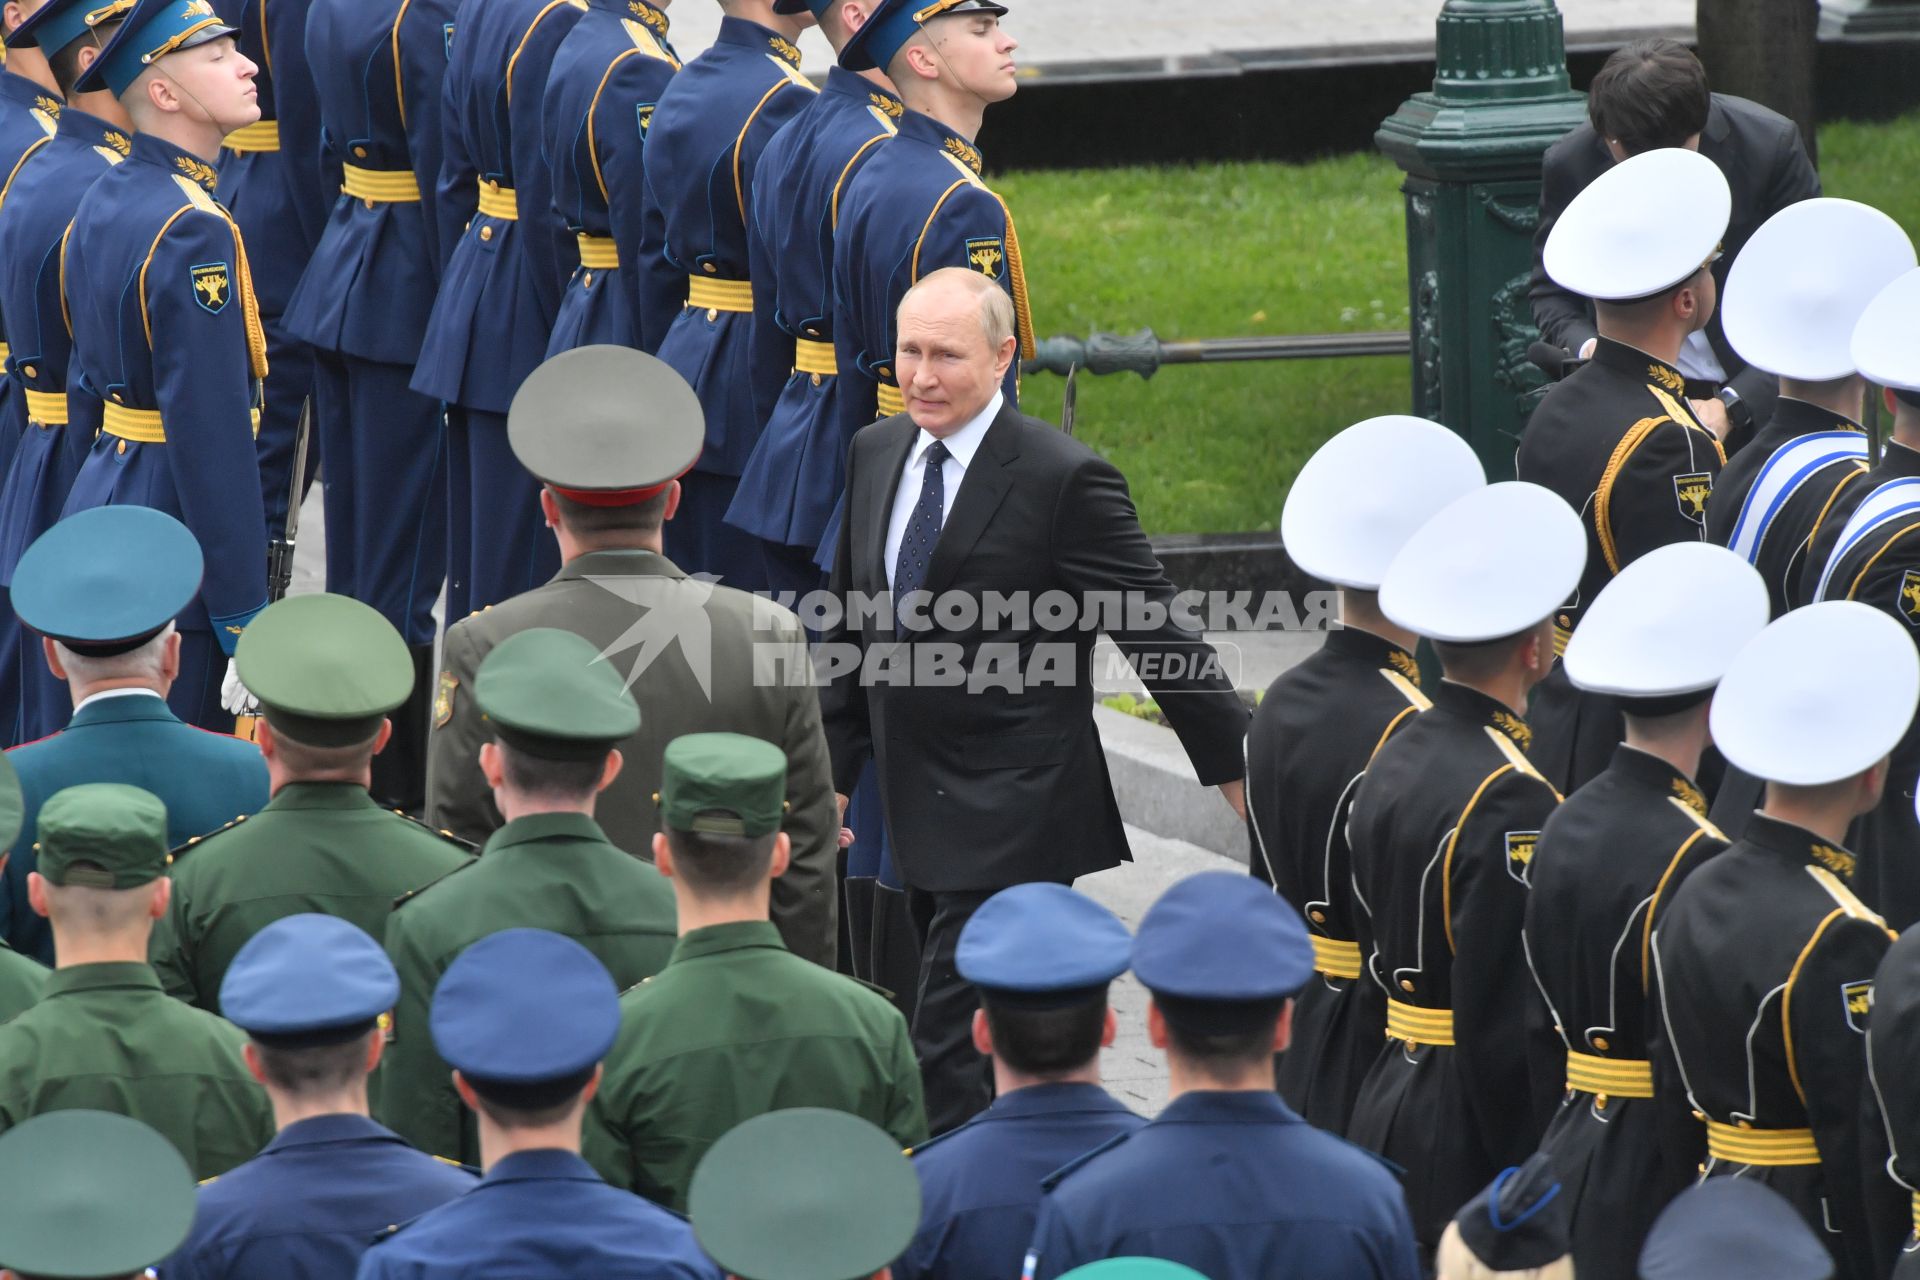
325,668
120,830
89,1193
550,694
723,784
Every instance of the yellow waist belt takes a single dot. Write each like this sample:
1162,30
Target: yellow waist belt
383,186
261,135
496,201
6,354
1419,1026
599,252
1336,957
810,356
720,295
1772,1147
890,401
143,425
48,408
1610,1077
1916,1215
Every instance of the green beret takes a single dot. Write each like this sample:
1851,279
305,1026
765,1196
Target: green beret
90,1193
724,784
121,830
13,805
325,668
550,694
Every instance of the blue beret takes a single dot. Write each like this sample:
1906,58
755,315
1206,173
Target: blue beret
106,579
524,1006
1042,943
894,22
151,31
1521,1221
1223,936
58,23
308,974
1733,1227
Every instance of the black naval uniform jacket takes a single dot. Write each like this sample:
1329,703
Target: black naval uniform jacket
1897,462
1312,735
1765,963
1893,1135
1443,830
1609,862
1618,442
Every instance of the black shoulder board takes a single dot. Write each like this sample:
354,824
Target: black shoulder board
1054,1179
871,986
452,839
411,894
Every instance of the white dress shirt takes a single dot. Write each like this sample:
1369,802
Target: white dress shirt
1698,360
104,694
961,446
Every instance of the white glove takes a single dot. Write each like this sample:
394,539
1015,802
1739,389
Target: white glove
235,696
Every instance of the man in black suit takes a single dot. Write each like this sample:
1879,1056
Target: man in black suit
1653,93
979,521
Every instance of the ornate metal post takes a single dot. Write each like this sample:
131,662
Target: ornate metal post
1471,151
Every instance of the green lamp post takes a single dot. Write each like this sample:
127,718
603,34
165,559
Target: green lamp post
1471,151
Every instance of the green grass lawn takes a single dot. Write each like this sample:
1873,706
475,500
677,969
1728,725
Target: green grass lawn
1248,249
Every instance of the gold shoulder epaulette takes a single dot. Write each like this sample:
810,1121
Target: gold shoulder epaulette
1698,819
1518,759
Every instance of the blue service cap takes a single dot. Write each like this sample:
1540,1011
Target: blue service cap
1520,1221
308,978
787,8
1224,937
1042,945
524,1007
150,31
107,579
1733,1227
58,23
894,22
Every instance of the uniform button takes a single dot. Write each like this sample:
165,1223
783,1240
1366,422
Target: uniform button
1600,1043
122,448
1318,917
713,313
27,369
1406,984
486,233
708,267
587,283
816,379
369,200
1565,621
360,153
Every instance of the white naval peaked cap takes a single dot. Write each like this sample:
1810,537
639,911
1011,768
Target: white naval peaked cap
1886,341
1819,695
1489,564
1797,289
1363,493
1644,225
1668,624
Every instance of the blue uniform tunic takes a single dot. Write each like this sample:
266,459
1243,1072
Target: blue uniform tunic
980,1183
607,78
363,302
167,333
541,1213
794,476
311,1203
34,212
1236,1186
695,301
506,262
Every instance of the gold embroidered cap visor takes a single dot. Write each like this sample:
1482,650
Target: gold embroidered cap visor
1641,227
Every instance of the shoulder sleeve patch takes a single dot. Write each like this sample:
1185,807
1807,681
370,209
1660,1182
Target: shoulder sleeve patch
986,255
1857,999
212,285
1520,846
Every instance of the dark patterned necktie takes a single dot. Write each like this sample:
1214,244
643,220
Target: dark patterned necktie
923,529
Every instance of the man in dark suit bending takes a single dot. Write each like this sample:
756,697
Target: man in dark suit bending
973,684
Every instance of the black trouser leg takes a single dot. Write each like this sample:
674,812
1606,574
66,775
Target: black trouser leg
954,1072
400,771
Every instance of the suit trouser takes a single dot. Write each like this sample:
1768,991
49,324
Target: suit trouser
498,544
956,1075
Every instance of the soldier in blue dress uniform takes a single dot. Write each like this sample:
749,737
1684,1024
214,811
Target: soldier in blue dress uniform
607,77
695,298
505,262
94,134
166,330
311,992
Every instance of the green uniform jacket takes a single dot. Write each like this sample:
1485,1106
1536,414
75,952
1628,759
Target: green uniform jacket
319,846
21,981
546,871
699,658
736,1026
105,1037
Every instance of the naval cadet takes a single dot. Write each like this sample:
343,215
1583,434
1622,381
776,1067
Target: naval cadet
694,298
1442,832
1893,1033
556,711
165,326
524,1017
1042,957
1228,1180
1616,438
1732,1229
774,1030
328,672
40,199
103,1033
841,1180
1765,958
1605,870
504,262
310,991
740,664
1349,511
1518,1226
607,77
21,979
89,1194
102,589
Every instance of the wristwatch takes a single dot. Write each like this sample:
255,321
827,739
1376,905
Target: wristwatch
1739,412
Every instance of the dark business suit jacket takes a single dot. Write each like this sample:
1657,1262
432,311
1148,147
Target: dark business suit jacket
986,787
1766,164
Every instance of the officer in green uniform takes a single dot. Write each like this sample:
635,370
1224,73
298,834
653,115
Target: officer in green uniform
556,711
20,977
104,1035
90,1194
327,671
846,1180
737,1025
